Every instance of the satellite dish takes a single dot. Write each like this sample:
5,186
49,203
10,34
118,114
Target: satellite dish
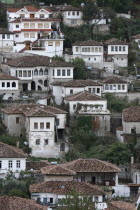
82,4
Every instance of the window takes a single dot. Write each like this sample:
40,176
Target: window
73,21
3,84
96,49
123,87
10,164
24,73
62,147
36,72
50,43
22,15
96,199
57,121
92,49
89,90
37,141
114,87
53,72
94,59
35,125
71,91
26,35
41,72
77,13
112,48
58,72
13,84
42,15
17,26
46,141
26,25
46,72
120,48
110,87
8,84
32,25
40,25
3,36
63,72
94,90
74,106
119,87
18,164
106,87
57,44
77,49
100,49
47,125
38,200
29,73
73,13
17,120
8,36
46,25
20,73
132,130
68,13
98,90
0,164
32,35
82,179
41,125
68,72
116,48
88,49
123,48
83,49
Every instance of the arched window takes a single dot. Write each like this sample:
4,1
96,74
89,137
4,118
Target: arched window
36,72
41,72
13,84
46,72
45,83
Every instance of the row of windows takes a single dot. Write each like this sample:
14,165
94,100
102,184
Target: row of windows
39,25
89,108
63,72
90,49
10,164
94,90
8,84
29,73
4,36
36,125
73,13
118,48
114,87
46,142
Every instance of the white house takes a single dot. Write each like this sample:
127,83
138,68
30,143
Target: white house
37,72
114,84
130,123
43,126
116,53
135,173
90,51
9,86
12,159
87,104
136,38
54,192
60,90
6,40
72,16
35,31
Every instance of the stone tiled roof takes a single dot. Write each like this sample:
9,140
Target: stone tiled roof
115,41
57,170
5,31
87,43
131,114
121,205
36,165
4,76
65,187
136,36
34,61
84,96
113,80
29,8
17,203
71,8
7,151
31,110
136,165
91,165
19,20
77,83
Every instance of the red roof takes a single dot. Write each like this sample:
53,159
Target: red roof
13,9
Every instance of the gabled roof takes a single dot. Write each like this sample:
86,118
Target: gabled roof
4,76
29,8
131,114
57,170
115,41
71,8
91,165
7,151
34,61
113,80
121,205
66,187
87,43
36,165
136,36
13,9
77,83
34,110
12,203
84,96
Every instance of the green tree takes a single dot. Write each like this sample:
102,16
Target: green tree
90,10
79,68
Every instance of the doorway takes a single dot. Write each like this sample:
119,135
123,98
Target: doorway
27,46
32,16
32,85
25,86
93,180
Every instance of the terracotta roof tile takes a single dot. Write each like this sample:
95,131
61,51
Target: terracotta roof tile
31,8
84,96
131,114
121,205
13,9
57,170
87,43
12,203
77,83
115,41
34,61
113,80
36,165
4,76
91,165
7,151
65,187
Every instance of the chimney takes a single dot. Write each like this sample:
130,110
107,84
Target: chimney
17,144
132,160
50,60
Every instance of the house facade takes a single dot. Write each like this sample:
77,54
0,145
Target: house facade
12,159
6,40
43,126
9,87
114,84
60,90
135,173
37,72
87,104
136,39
